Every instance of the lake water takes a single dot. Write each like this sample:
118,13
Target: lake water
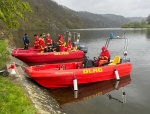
137,92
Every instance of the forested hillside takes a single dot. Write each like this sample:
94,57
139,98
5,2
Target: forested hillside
47,14
138,19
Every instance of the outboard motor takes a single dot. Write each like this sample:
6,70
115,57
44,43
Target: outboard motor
88,63
81,47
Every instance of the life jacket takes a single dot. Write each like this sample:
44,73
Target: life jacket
69,45
42,43
61,41
48,40
104,57
36,43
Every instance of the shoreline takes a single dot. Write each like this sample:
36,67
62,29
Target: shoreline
39,96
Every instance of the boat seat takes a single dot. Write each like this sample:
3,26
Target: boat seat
115,61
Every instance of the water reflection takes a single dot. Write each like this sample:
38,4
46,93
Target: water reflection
148,34
67,95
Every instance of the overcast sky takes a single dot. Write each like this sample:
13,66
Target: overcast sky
126,8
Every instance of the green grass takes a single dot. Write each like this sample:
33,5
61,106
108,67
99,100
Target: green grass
4,54
13,99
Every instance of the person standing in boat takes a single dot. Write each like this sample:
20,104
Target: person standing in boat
61,43
26,41
49,42
36,42
42,43
104,56
44,36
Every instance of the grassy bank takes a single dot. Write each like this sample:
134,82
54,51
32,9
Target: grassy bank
13,99
3,53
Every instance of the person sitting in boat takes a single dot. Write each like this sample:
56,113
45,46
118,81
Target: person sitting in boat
36,42
26,41
103,57
49,42
61,43
42,44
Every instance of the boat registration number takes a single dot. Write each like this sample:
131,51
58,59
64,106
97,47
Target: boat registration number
61,53
90,71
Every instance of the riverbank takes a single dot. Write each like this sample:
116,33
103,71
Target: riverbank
37,95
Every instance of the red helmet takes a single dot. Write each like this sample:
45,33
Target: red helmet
104,48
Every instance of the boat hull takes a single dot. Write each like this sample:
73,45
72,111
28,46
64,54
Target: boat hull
53,79
34,57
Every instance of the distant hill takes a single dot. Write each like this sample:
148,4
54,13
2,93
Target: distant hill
47,14
139,19
110,19
118,18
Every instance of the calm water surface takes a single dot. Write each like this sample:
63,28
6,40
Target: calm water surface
137,92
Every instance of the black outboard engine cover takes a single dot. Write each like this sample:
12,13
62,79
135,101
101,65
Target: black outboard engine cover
80,47
88,63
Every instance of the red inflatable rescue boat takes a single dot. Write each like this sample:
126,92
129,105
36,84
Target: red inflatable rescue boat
33,56
62,75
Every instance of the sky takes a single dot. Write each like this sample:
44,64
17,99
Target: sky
126,8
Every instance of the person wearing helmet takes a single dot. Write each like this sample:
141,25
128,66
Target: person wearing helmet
49,42
61,42
36,42
104,56
42,43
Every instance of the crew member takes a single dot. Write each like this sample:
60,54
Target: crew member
69,45
104,56
49,42
36,42
61,43
42,44
26,41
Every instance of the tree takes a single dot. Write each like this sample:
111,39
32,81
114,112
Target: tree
12,10
148,19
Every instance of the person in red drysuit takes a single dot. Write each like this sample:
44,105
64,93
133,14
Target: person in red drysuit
36,42
49,42
61,43
104,56
69,45
42,43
